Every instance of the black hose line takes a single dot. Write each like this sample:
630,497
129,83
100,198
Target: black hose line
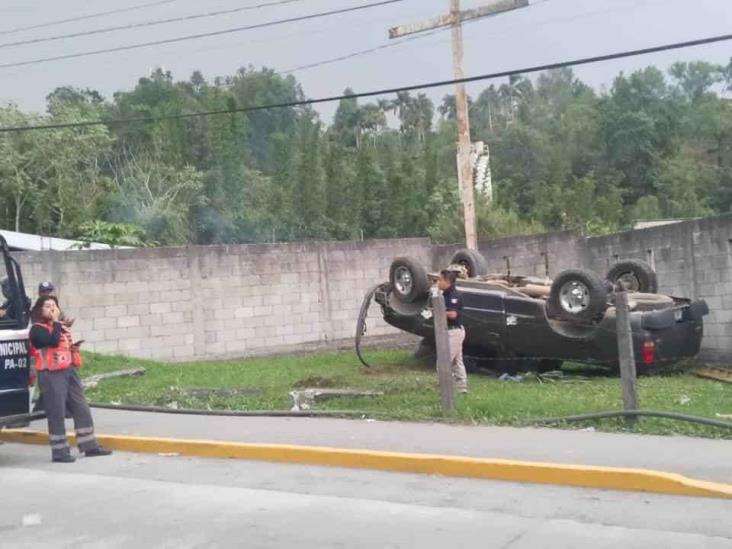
632,413
232,413
361,322
352,413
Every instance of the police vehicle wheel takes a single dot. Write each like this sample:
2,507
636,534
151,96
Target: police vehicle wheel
408,279
633,275
472,260
577,295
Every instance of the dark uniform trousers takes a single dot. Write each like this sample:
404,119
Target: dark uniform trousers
62,390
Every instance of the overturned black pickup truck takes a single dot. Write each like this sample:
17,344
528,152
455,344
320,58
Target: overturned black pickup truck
519,323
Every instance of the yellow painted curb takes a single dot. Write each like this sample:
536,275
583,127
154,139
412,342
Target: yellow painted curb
611,478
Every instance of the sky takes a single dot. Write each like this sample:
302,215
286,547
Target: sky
546,31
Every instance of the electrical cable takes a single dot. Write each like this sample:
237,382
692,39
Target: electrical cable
200,35
441,30
86,17
142,24
384,91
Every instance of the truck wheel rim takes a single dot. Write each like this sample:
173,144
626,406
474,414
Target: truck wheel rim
574,297
629,282
403,281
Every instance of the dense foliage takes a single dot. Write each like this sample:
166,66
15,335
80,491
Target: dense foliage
654,145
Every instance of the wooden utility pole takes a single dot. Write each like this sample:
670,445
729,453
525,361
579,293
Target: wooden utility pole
626,355
442,345
455,20
465,170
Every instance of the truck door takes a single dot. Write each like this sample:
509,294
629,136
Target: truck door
484,320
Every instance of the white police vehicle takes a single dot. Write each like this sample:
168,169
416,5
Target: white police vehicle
15,363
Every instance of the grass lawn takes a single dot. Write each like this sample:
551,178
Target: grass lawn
410,391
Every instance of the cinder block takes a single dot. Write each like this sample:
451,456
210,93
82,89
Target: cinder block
162,330
115,311
262,332
128,321
182,306
245,333
137,332
156,308
129,344
174,318
234,346
175,295
139,309
151,320
244,312
135,287
183,352
262,310
173,340
105,346
104,323
127,299
224,314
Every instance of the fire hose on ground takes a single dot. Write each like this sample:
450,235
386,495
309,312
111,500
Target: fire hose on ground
361,322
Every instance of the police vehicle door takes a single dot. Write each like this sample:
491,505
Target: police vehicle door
15,393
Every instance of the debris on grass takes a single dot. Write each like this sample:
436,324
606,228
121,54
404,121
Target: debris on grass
717,374
206,392
316,381
92,381
508,377
304,399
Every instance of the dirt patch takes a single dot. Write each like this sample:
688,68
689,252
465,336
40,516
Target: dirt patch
317,381
204,392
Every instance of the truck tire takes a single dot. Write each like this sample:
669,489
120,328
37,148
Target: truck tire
472,260
408,279
577,295
634,275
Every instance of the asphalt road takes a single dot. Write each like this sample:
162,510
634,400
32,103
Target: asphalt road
130,500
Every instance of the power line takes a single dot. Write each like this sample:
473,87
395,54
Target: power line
360,52
386,91
441,30
201,35
90,16
142,24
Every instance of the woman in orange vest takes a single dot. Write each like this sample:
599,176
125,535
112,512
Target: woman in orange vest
56,357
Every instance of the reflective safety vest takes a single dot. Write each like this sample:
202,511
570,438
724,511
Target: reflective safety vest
57,358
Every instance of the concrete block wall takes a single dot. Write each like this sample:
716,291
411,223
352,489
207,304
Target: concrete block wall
693,259
223,301
525,255
232,301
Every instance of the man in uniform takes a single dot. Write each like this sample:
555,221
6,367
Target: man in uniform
455,330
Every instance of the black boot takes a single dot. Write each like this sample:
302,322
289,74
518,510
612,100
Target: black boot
63,458
96,452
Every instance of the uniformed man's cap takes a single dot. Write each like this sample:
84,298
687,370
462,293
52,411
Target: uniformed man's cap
46,286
